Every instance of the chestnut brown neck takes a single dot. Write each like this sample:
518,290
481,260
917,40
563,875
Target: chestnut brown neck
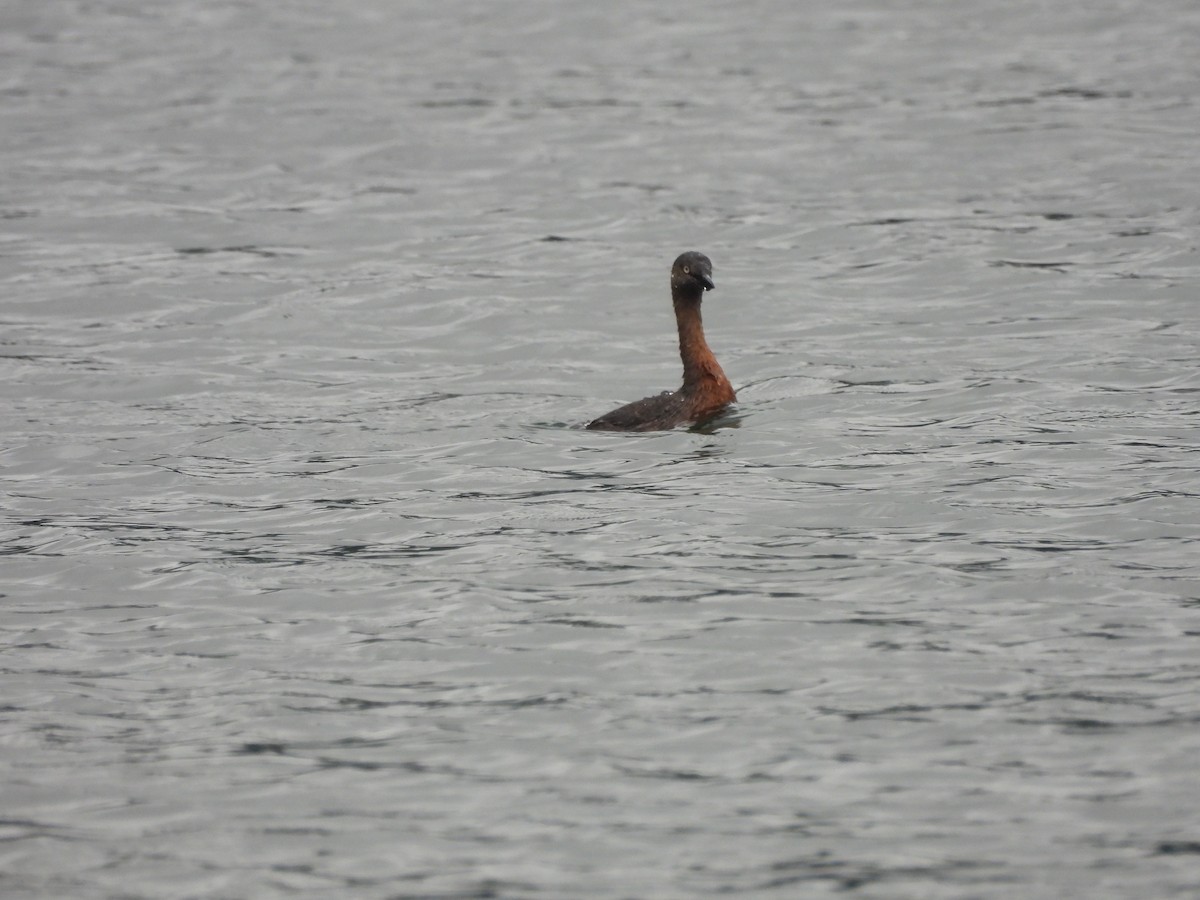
701,371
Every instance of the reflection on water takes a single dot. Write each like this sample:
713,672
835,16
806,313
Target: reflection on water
313,582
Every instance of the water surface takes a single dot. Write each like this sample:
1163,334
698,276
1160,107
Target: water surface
313,586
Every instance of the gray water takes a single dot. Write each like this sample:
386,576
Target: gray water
313,585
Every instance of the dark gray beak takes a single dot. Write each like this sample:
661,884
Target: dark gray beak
705,280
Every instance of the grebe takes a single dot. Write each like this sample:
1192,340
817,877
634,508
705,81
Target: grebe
705,391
